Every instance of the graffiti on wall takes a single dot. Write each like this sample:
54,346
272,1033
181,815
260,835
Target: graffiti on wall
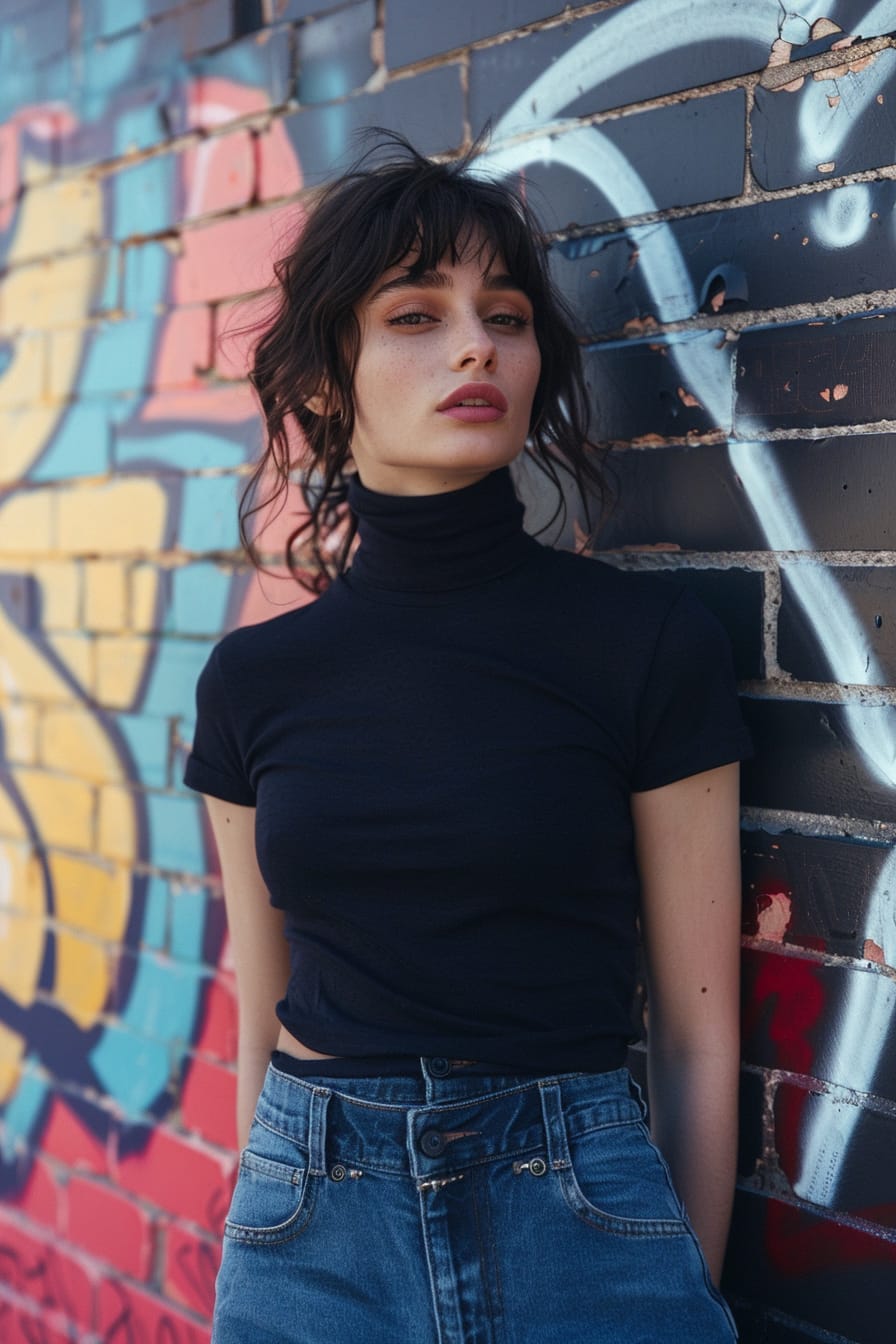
98,915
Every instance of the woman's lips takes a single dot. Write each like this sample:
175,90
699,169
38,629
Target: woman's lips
489,403
473,414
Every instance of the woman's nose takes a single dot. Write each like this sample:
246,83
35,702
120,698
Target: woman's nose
475,347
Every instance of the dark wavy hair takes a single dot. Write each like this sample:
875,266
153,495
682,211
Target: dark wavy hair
395,207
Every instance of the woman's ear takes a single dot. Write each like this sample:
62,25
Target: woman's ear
318,404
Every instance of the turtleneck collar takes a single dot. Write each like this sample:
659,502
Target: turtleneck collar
437,543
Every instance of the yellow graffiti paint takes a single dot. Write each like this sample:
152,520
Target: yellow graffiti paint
23,906
12,1052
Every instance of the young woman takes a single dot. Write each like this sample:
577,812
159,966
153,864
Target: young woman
443,796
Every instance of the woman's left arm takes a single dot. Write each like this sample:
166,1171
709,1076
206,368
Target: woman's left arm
688,850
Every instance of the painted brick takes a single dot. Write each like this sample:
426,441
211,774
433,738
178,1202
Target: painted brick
126,1313
428,108
594,63
813,892
64,804
865,1186
184,348
693,496
142,122
455,25
255,71
333,54
816,374
873,661
231,256
289,10
68,207
217,1035
24,363
20,1324
147,53
834,1023
807,760
278,172
208,1103
78,1140
27,44
217,174
105,597
841,141
654,388
624,167
768,254
181,1177
38,1197
238,327
109,1226
190,1266
36,1268
105,20
813,1268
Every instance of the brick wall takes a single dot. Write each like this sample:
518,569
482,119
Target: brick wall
719,179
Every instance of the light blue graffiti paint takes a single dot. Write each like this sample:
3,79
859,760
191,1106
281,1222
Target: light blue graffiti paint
23,1110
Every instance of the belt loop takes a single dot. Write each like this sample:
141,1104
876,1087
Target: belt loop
317,1131
637,1095
554,1126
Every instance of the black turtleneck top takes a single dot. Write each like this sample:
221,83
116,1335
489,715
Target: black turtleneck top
441,751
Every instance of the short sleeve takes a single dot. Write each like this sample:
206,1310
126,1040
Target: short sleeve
689,718
215,764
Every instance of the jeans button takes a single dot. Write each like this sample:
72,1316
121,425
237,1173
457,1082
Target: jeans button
439,1067
432,1143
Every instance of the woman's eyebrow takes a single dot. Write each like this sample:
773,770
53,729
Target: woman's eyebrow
440,280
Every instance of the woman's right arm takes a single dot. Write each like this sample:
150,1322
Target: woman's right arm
260,951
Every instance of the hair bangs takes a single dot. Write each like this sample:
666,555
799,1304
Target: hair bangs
458,218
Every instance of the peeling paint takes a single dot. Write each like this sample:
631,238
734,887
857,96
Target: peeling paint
773,916
873,951
688,398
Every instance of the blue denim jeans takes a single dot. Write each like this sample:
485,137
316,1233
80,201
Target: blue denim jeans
459,1209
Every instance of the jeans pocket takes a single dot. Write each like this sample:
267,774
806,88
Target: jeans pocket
618,1182
272,1198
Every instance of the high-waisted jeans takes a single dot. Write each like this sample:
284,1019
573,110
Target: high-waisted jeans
459,1209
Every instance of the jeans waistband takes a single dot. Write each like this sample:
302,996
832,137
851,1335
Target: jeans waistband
425,1126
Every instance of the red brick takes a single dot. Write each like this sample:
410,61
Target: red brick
126,1314
237,329
67,1138
181,1177
224,405
38,1197
184,348
218,1033
109,1226
218,174
232,256
279,171
36,1268
19,1325
191,1264
208,1102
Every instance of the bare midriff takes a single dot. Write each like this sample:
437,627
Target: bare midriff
290,1046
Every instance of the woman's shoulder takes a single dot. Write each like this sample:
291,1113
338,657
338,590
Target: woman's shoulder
258,643
597,577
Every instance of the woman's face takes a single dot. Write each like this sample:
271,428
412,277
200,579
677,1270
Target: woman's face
446,376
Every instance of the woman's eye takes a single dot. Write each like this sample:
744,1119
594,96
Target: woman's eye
510,320
415,319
